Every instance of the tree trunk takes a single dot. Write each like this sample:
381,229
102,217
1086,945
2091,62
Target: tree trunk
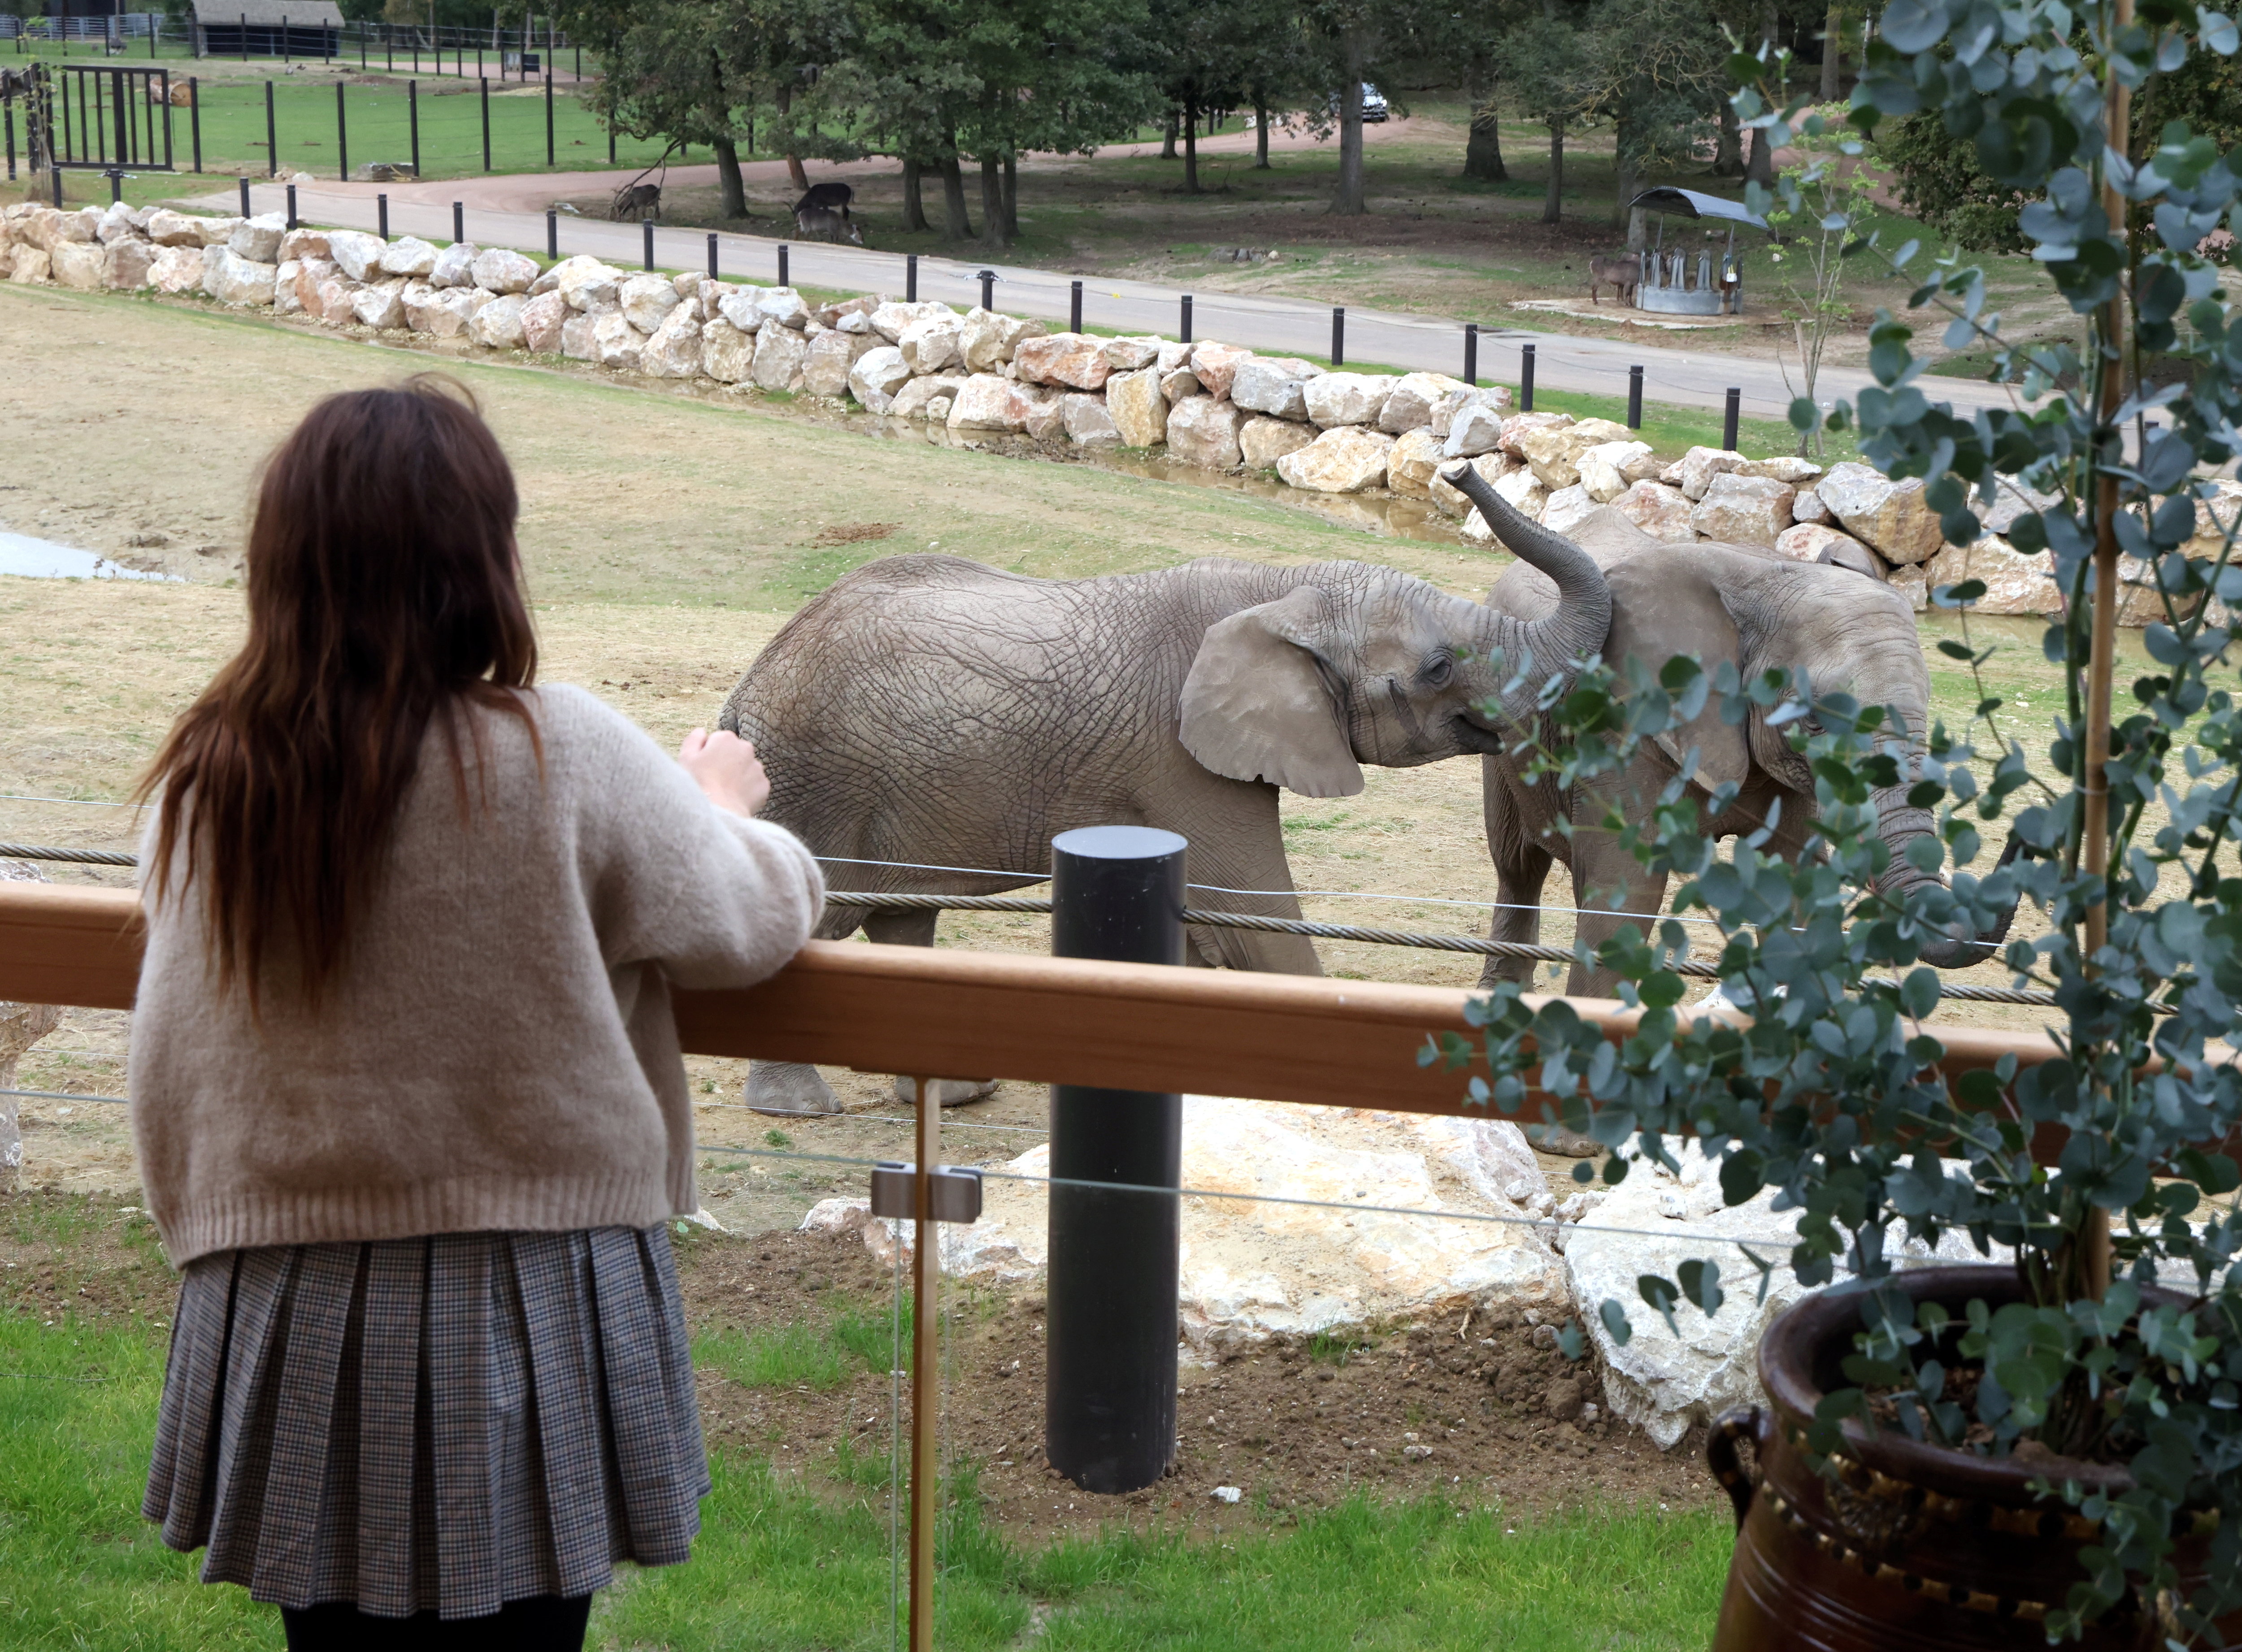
1761,168
1483,149
1553,203
1347,200
793,161
956,225
1168,138
1191,146
1729,151
992,201
914,201
1629,172
1260,138
728,181
1011,196
1833,55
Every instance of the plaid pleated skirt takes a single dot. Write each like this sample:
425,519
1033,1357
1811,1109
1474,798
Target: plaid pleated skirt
449,1422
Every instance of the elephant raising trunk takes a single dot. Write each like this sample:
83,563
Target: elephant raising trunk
1583,615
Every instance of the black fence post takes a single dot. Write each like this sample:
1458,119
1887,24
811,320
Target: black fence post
552,234
1074,309
195,119
910,277
459,221
8,120
272,134
412,116
1525,379
1471,354
783,279
55,174
1634,398
245,211
381,215
483,82
712,256
117,186
1186,337
988,289
1110,1375
292,206
1730,417
548,109
342,137
1339,335
647,226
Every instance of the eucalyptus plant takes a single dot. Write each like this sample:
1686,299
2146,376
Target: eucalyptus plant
2115,829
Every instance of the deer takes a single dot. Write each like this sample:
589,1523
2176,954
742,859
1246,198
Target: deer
637,201
833,197
824,224
1624,272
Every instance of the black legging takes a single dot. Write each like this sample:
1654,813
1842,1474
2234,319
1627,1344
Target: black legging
538,1623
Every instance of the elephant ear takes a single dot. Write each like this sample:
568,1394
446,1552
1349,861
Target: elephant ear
1663,606
1258,705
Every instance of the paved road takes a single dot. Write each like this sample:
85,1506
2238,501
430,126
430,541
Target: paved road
1682,376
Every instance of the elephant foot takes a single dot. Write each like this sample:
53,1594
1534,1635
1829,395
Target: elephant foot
1566,1144
781,1087
951,1092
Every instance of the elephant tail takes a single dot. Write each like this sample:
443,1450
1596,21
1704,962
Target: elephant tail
1583,615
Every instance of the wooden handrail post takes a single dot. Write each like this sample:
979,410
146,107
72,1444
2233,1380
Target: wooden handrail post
926,1309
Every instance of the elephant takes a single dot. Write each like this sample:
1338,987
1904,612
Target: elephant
930,711
1720,602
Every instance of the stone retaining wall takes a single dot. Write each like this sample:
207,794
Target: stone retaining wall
1208,404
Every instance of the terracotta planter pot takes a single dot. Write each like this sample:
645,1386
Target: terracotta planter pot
1913,1547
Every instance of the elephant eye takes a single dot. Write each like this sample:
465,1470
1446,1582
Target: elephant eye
1439,670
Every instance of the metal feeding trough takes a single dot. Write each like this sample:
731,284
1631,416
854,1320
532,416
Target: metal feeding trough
1680,283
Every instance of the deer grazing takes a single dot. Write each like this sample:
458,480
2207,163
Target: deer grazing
1623,272
824,224
637,201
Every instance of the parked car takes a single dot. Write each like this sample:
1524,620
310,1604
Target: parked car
1373,103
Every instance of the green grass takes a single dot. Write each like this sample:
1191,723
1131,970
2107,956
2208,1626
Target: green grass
782,1564
823,1355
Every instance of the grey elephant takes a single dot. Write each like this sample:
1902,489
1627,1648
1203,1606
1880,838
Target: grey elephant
928,710
1719,602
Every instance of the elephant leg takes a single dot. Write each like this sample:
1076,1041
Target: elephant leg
1521,867
916,929
1237,842
781,1087
1608,882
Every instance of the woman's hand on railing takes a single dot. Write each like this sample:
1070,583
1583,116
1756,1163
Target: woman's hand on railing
726,767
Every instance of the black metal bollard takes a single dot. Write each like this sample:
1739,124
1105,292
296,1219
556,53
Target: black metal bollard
413,116
195,118
1526,378
483,83
1339,335
116,188
1074,309
782,280
1634,398
1731,417
342,137
1110,1383
548,109
55,175
552,234
1185,333
292,206
988,289
1471,354
381,215
910,277
647,226
245,212
712,256
459,221
272,134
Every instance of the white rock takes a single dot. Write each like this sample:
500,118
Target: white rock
1413,396
1173,354
1263,441
1567,508
1133,355
78,263
286,302
2015,583
178,268
455,265
930,345
1215,365
986,339
646,301
785,306
557,278
673,352
1274,384
738,306
1808,507
2014,499
543,315
1913,584
1446,408
1176,382
1662,512
1344,459
1202,431
984,401
1516,427
578,342
1744,510
409,255
878,375
1335,399
917,398
497,326
502,270
29,264
616,345
379,304
125,263
170,229
1137,409
1410,467
229,278
1088,421
355,254
1474,428
727,354
1073,361
1609,469
1554,450
1804,541
301,243
1701,464
1043,409
781,355
1888,516
857,321
117,224
832,353
1492,468
888,320
1786,468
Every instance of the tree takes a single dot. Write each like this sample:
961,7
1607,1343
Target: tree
1664,80
1810,212
1553,63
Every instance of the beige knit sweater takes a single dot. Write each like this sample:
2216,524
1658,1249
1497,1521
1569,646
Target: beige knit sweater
498,1052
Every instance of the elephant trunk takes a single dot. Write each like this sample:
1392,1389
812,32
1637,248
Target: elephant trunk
1898,824
1583,615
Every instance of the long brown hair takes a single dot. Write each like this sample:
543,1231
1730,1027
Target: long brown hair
384,594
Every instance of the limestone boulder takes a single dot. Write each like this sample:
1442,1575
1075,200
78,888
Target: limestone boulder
1491,467
1662,512
502,270
1808,507
455,265
336,304
409,255
1041,410
1173,354
1133,355
1701,464
737,305
31,265
378,304
1415,458
1567,508
986,340
1263,441
832,353
357,254
1609,469
2015,583
577,342
1336,400
1176,382
1786,468
1072,360
1344,459
1409,405
556,279
917,399
877,376
306,243
1804,541
542,317
932,345
1202,431
1521,490
1912,583
78,263
170,229
1139,412
311,274
85,226
116,224
1088,421
674,351
1744,510
984,401
781,355
1889,517
1555,452
126,264
785,306
497,326
2014,499
1216,365
286,299
1475,427
646,301
889,319
727,354
1276,385
1454,401
617,346
423,313
1516,427
232,279
591,288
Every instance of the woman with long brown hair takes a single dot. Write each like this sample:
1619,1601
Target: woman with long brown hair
405,1086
